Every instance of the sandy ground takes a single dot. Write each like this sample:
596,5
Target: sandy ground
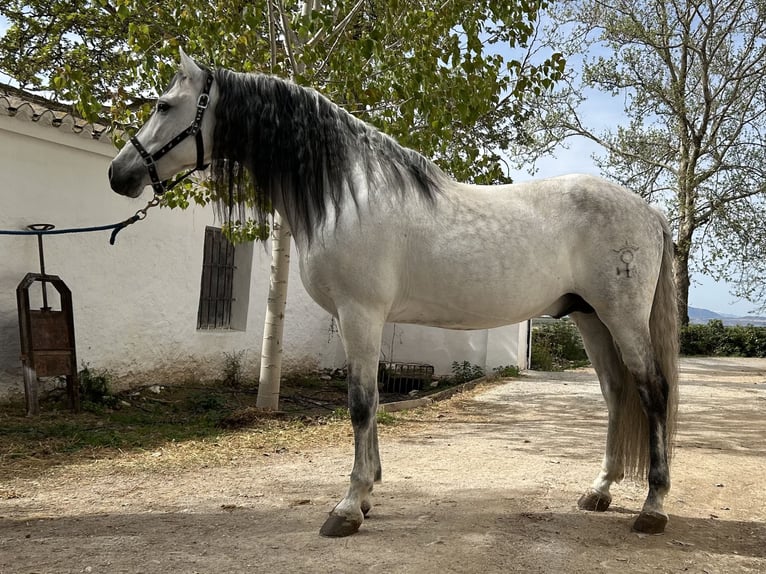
484,483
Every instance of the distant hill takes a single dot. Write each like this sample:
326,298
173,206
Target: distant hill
697,315
702,316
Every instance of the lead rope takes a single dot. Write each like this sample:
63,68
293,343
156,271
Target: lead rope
139,216
115,227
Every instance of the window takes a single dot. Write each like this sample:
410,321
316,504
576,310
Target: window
216,290
225,286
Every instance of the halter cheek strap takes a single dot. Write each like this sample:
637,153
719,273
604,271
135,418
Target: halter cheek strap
159,186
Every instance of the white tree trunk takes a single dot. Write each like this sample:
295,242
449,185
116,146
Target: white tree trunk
271,350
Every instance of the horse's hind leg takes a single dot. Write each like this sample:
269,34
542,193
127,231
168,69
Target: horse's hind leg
603,355
653,389
361,331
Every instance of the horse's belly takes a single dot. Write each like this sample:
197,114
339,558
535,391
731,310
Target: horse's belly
471,308
462,320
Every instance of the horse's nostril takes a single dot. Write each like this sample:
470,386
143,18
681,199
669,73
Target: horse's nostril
110,172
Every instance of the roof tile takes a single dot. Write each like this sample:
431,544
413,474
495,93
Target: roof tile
29,107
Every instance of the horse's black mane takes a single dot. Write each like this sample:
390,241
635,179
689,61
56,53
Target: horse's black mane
299,147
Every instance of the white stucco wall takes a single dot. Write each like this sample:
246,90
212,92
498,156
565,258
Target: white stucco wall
135,303
441,347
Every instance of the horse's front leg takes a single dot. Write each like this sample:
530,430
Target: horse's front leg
361,338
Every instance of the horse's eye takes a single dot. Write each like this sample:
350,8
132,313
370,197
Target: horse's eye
163,107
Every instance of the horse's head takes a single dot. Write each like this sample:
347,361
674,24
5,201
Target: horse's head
177,137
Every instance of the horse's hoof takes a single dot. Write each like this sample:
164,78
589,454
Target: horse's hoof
338,526
366,507
650,522
594,501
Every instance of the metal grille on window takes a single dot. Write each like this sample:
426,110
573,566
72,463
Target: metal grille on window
217,277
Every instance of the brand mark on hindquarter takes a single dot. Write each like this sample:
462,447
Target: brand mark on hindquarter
626,255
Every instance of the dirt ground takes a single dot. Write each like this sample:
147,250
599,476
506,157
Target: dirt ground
484,482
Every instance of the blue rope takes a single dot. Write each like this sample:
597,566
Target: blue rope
61,231
116,227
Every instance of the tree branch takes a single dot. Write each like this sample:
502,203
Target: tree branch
338,30
290,38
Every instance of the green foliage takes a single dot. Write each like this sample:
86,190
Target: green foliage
233,368
507,371
557,346
429,73
242,231
95,391
715,339
386,418
541,358
211,403
465,372
341,414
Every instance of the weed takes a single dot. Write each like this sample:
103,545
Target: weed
464,372
341,414
207,403
386,418
233,368
95,392
383,418
507,371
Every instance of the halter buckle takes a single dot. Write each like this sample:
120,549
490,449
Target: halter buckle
149,162
203,100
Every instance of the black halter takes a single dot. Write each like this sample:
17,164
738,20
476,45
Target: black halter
159,186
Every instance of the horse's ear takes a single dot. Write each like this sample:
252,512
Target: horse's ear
188,66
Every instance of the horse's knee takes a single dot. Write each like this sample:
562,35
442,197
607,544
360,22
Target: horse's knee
362,402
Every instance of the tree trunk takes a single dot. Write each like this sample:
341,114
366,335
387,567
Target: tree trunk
682,251
273,325
271,350
687,199
682,283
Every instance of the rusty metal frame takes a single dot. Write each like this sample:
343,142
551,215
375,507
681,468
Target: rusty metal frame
47,341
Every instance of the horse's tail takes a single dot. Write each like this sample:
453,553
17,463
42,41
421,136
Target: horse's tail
663,327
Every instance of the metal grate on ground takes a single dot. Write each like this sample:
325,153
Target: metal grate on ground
403,378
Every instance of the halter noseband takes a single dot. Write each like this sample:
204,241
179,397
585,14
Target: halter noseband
159,186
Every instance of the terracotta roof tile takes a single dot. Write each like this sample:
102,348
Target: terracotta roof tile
29,107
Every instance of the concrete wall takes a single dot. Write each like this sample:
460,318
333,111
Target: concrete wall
441,347
135,303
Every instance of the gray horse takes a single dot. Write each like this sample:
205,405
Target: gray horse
384,235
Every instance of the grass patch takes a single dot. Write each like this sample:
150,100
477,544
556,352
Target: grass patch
194,421
386,418
140,420
507,371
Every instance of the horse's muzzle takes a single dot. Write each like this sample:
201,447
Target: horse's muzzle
123,183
